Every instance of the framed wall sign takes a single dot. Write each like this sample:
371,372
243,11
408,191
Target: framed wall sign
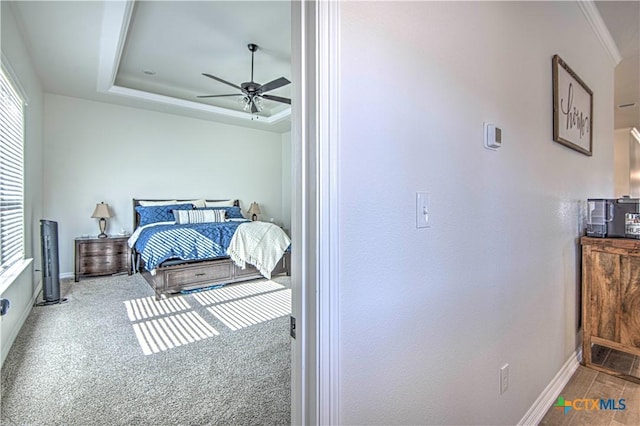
572,109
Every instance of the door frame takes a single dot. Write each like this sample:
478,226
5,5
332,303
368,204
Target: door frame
315,212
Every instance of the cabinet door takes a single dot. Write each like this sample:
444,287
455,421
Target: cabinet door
630,301
603,272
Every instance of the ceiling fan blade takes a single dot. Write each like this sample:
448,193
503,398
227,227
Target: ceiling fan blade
272,85
254,108
218,96
221,80
277,99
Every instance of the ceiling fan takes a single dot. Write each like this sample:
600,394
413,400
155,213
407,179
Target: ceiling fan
252,92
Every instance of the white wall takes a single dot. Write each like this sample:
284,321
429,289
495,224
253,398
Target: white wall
287,189
101,152
623,146
21,292
427,317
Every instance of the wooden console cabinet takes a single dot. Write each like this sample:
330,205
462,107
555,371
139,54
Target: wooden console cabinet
611,298
102,256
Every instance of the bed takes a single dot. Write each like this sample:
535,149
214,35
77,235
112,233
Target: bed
183,245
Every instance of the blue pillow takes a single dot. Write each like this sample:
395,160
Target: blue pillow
232,212
153,214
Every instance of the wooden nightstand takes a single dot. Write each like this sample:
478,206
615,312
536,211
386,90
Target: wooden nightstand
102,256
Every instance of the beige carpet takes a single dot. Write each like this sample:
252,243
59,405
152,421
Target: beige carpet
113,355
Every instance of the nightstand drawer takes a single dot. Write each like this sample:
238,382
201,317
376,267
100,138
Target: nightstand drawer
100,265
100,249
95,262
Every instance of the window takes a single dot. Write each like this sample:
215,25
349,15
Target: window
11,174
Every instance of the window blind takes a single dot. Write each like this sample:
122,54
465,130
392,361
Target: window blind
11,174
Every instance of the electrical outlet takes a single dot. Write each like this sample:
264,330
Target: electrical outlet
504,378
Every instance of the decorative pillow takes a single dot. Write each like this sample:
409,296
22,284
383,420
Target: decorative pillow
225,203
153,214
196,203
157,203
199,216
232,212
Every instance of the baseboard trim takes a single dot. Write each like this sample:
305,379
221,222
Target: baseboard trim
64,275
550,393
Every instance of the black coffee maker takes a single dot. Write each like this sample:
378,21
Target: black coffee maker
613,218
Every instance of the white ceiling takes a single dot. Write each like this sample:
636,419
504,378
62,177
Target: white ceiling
98,50
179,41
623,21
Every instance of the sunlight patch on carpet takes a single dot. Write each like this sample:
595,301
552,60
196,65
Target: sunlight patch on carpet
253,310
231,292
148,307
165,333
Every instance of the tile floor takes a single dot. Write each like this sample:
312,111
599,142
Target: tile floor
591,384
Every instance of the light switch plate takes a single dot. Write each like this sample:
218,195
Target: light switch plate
422,210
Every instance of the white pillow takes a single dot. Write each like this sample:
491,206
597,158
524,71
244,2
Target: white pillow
226,203
199,216
199,204
157,203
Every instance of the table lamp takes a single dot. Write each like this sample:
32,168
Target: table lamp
254,211
102,212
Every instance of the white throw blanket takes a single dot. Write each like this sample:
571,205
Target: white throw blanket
260,244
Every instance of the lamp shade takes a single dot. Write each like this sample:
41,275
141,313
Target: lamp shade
254,208
102,210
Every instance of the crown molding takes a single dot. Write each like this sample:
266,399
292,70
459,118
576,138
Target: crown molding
594,18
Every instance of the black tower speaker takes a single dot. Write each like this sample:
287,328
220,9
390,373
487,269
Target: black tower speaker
50,263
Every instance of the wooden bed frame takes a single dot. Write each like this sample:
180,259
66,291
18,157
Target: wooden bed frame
176,275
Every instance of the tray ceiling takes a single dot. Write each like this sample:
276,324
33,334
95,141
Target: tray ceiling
151,54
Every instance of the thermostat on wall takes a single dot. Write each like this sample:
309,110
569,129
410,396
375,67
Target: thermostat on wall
492,136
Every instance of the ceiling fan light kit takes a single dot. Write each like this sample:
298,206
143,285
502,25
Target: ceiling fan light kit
253,94
246,101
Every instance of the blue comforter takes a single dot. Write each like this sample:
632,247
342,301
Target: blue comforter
193,241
